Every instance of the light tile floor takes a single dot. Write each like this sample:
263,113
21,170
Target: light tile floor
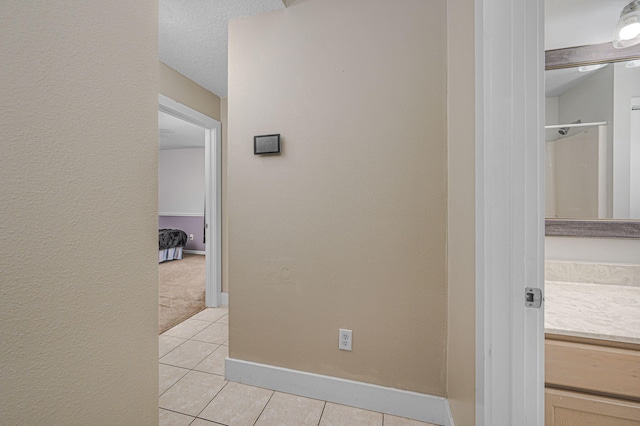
193,390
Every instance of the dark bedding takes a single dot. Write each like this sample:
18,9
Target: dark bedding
168,238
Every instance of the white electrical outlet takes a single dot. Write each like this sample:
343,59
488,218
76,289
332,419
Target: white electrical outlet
345,339
190,237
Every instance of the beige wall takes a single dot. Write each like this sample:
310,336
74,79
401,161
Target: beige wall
79,307
346,228
179,88
224,121
461,224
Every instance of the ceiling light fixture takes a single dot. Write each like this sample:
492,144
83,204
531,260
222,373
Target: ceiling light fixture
588,68
627,32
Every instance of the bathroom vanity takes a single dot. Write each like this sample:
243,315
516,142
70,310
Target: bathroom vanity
592,310
592,345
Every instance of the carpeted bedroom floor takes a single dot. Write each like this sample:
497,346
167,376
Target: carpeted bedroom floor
182,285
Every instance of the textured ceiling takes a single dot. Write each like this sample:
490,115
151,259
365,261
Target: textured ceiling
559,81
193,36
571,23
193,33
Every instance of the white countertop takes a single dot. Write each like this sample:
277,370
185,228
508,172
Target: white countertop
597,311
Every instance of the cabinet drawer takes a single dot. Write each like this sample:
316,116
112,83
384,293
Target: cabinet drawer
564,408
593,368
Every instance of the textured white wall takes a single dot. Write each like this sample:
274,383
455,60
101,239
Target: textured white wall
626,85
576,174
551,117
181,182
634,169
78,202
592,101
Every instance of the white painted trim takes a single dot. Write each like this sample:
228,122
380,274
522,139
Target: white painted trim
448,415
560,126
509,211
602,171
213,219
200,252
181,214
182,111
412,405
213,185
224,299
217,180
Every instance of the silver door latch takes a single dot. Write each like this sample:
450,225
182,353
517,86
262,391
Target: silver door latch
532,297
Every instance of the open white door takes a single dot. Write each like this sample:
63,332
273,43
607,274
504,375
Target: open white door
213,173
510,211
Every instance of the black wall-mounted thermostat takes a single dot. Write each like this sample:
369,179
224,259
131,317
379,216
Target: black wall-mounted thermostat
266,144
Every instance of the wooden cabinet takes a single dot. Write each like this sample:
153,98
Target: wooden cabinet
566,408
591,384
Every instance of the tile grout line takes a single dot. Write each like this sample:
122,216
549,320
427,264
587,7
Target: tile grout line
165,391
204,341
191,369
226,382
214,397
208,421
202,371
199,362
264,408
194,369
177,412
194,334
322,413
198,319
185,340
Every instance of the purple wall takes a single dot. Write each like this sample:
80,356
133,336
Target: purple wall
189,224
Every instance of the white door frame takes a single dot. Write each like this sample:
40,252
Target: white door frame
213,181
509,211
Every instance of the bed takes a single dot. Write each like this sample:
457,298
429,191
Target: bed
171,243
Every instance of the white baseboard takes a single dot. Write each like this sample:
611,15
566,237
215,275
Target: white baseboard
448,418
412,405
203,253
177,214
225,299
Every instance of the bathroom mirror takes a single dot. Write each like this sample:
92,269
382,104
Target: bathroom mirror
592,141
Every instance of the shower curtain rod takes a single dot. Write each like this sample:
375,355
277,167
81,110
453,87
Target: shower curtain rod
560,126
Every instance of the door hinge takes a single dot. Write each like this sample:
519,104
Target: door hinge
533,297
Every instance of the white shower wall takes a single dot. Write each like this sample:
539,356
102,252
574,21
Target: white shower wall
592,101
634,149
625,159
576,175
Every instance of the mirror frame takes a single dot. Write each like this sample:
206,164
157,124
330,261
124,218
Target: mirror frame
571,57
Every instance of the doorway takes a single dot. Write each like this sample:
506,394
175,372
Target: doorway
212,189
